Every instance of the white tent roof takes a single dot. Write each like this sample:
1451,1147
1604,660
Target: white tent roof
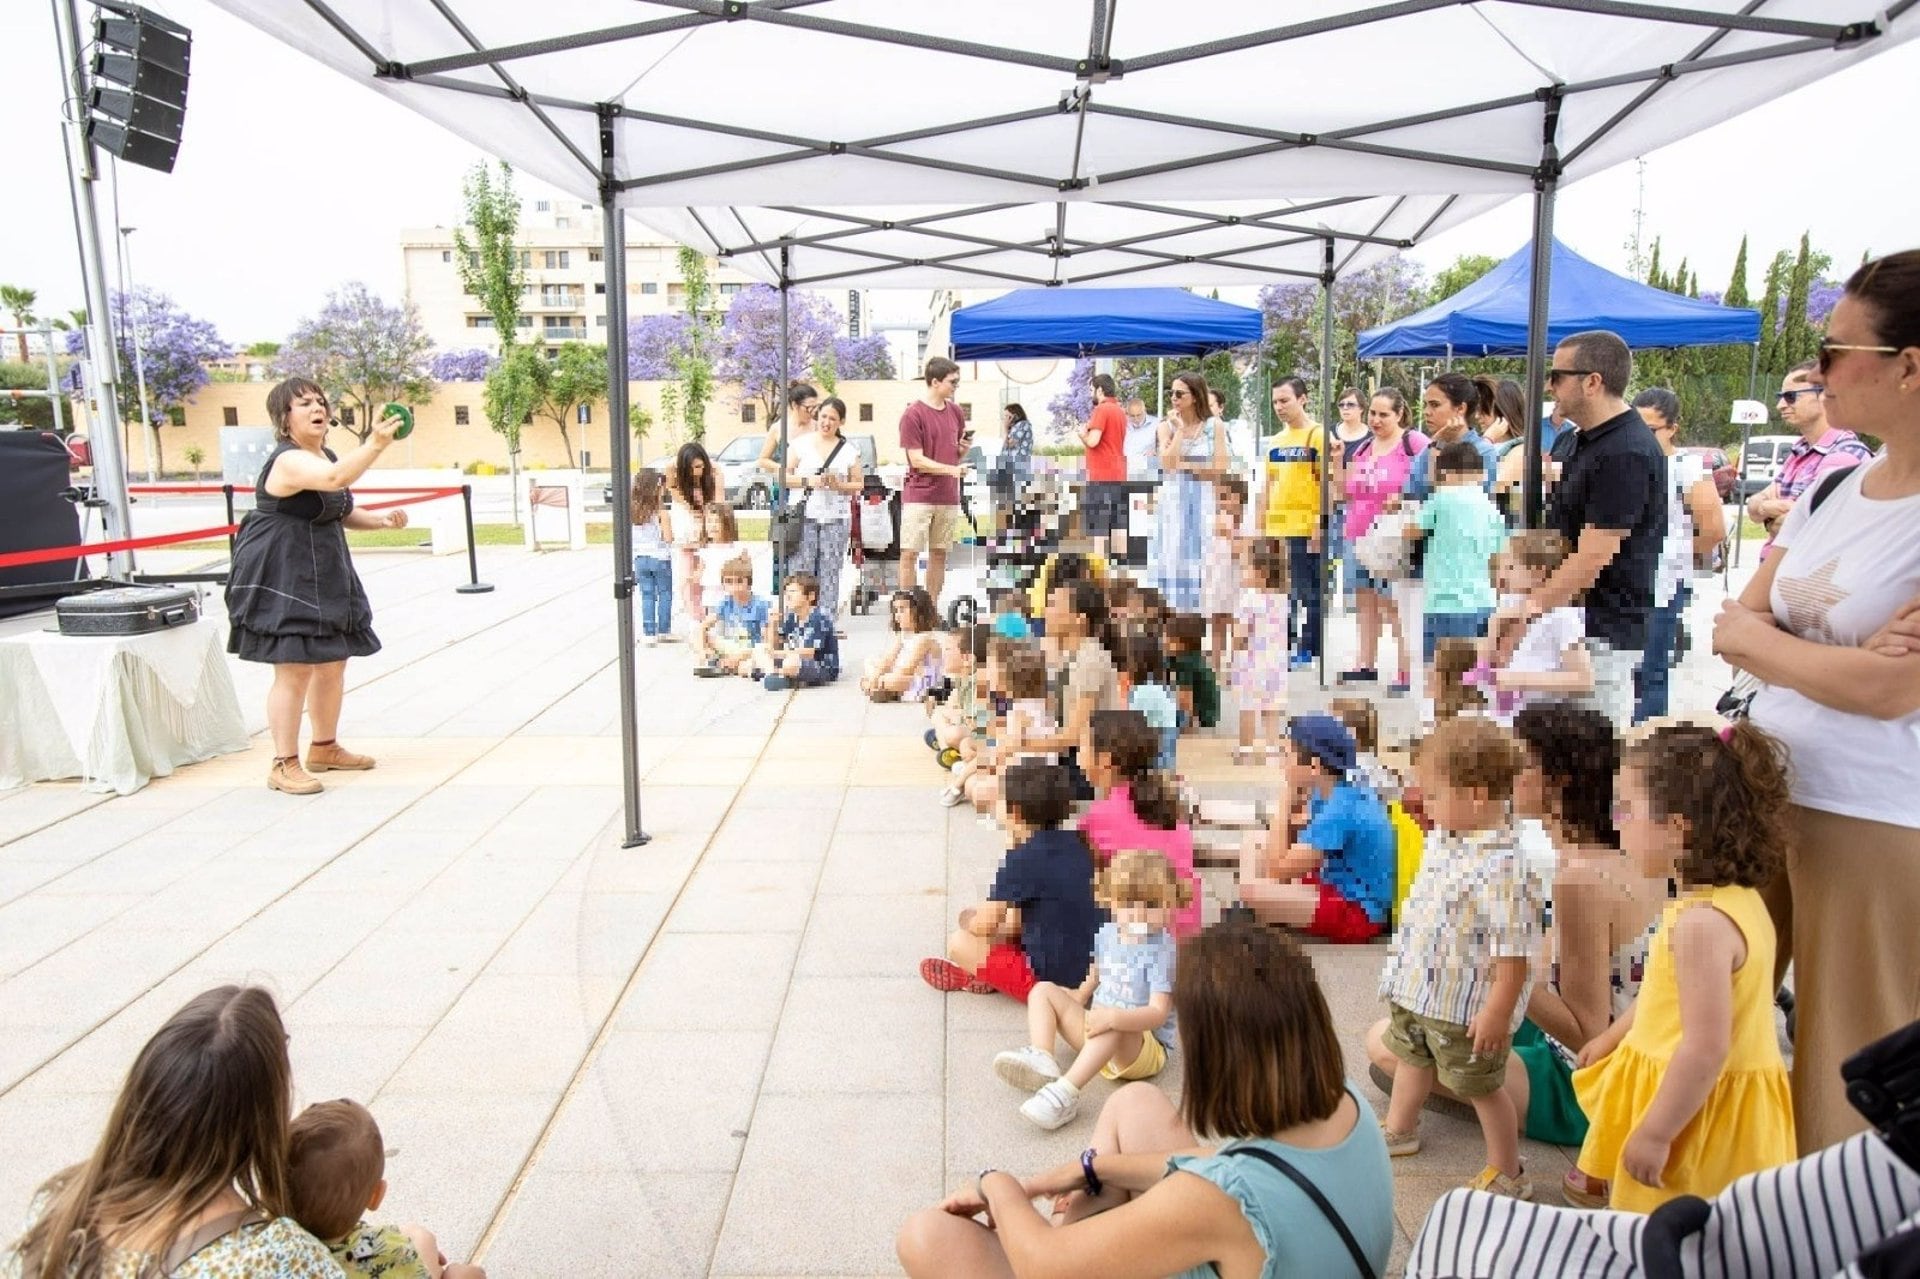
911,142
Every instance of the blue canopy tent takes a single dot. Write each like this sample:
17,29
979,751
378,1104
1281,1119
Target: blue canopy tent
1077,323
1489,316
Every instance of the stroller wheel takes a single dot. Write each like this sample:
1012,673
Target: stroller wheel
962,612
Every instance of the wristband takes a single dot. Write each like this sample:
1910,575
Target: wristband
1086,1169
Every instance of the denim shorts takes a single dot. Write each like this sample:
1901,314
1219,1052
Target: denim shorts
1439,626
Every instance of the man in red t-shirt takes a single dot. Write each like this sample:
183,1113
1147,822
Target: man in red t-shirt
1104,510
930,433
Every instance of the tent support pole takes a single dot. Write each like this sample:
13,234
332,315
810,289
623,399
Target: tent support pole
1448,366
1325,460
613,224
1160,388
781,496
1732,561
1546,185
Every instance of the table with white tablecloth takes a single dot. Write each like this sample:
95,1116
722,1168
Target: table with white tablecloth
114,711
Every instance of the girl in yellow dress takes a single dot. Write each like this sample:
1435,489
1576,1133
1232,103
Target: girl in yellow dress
1688,1091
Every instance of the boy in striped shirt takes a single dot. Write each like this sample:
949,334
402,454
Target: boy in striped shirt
1461,965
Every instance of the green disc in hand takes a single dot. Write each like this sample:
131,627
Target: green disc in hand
405,415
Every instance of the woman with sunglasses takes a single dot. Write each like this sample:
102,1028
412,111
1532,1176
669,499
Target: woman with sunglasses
1823,447
1816,625
1193,453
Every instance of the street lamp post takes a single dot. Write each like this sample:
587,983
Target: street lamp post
139,355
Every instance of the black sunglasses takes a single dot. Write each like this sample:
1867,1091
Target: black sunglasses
1789,397
1554,375
1825,358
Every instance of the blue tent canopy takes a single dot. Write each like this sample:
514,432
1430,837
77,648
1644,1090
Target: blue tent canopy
1072,323
1489,316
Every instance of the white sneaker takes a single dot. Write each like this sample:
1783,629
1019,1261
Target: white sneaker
1028,1069
952,796
1053,1106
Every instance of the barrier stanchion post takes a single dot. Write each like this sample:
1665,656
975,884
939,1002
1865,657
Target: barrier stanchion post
227,490
473,585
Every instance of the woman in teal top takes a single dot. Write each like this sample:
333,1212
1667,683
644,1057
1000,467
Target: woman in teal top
1263,1073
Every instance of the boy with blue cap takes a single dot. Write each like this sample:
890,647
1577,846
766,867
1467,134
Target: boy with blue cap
1333,878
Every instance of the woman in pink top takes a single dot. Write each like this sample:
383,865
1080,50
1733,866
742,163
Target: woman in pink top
1377,473
1138,806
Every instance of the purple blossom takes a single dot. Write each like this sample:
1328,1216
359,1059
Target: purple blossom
470,365
1073,406
867,358
175,348
652,343
362,351
749,347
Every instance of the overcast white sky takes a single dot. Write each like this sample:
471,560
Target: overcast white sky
292,180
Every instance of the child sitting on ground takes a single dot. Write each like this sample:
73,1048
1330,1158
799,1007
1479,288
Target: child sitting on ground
1453,689
1010,613
734,627
910,663
1136,804
1358,715
1463,953
802,651
1119,1021
1146,687
1687,1090
1039,918
336,1169
1194,682
962,653
1522,659
1029,718
1260,651
1334,879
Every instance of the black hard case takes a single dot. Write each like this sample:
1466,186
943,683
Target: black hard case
128,610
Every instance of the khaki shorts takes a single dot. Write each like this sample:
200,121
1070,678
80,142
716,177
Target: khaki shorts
927,527
1151,1060
1426,1043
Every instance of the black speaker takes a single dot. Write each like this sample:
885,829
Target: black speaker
35,470
138,102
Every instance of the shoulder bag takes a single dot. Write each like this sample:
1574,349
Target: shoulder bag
792,518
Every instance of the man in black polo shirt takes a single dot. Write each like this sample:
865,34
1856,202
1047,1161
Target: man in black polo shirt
1611,506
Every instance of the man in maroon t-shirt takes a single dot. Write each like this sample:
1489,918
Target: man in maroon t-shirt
1104,510
930,432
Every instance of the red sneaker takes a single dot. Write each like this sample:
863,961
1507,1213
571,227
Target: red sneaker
946,976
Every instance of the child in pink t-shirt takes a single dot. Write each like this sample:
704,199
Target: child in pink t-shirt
1138,806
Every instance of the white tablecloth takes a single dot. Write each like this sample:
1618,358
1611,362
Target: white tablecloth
114,711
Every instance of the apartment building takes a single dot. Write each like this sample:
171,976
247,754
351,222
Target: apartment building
564,299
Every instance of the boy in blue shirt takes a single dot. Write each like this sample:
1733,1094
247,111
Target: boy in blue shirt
734,627
804,652
1334,879
1464,531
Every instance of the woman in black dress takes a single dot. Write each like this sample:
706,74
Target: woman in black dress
293,599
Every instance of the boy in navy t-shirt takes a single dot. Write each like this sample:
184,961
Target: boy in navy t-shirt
803,652
1334,879
1039,919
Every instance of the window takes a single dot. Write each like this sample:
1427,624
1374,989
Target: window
346,417
563,223
650,287
462,415
541,206
229,416
473,260
866,412
526,322
599,289
526,258
594,255
446,255
600,320
479,321
584,415
555,259
730,289
966,411
748,410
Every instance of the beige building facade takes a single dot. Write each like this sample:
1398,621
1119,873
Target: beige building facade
565,294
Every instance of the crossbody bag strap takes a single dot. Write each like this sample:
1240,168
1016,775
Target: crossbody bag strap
1319,1201
211,1233
837,446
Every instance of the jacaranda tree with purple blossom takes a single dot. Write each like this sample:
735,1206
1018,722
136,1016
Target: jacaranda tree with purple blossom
175,349
364,352
749,346
866,358
1069,410
653,342
469,365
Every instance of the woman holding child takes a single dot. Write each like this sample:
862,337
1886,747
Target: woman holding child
1264,1077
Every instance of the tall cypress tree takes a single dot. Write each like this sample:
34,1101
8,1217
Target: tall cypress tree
1777,272
1797,341
1737,287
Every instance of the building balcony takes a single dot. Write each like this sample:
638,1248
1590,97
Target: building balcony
557,333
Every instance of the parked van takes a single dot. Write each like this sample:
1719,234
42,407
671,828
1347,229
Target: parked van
1762,461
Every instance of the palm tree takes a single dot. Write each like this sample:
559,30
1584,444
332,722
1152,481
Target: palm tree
18,303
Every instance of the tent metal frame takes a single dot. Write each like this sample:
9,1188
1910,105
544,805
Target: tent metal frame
1095,67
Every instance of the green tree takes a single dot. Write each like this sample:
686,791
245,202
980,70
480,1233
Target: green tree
1464,270
263,350
18,302
1798,341
1736,294
692,362
34,411
1770,303
513,388
488,260
576,375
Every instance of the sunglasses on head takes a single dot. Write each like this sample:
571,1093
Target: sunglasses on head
1791,397
1825,358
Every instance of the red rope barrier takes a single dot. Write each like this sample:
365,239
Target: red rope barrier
52,554
221,488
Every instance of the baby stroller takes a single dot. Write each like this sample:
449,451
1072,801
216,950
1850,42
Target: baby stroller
876,544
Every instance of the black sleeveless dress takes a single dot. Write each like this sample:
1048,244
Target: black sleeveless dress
292,594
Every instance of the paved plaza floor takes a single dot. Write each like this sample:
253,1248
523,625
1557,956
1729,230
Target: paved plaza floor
707,1056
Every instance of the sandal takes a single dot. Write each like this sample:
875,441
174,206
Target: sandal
1582,1191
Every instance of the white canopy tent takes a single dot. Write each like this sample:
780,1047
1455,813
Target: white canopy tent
905,143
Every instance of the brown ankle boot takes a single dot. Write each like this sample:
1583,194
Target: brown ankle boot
288,776
322,756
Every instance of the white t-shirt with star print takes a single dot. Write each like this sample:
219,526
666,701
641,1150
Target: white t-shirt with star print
1843,572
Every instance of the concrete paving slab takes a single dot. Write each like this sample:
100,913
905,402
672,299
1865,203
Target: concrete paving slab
662,1101
613,1225
816,1050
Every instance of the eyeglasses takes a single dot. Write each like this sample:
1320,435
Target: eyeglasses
1554,375
1349,404
1179,393
1827,349
1791,397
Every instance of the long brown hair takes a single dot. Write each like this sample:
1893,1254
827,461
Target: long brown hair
204,1109
643,500
1198,394
1260,1048
1733,791
1131,743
